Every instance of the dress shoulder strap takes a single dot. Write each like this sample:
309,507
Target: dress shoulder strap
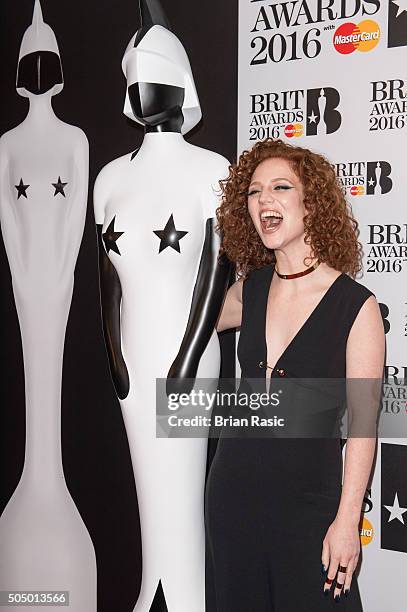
352,297
255,282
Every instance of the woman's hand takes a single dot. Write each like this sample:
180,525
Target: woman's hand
340,549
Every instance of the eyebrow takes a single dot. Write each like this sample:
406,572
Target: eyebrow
273,180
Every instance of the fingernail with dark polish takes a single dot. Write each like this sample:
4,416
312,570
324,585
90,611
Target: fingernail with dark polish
337,597
346,591
326,591
323,568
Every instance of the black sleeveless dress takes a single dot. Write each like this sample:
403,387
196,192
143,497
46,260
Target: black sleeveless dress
269,502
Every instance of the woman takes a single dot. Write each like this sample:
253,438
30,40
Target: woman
276,508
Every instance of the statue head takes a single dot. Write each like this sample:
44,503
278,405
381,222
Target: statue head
39,65
158,73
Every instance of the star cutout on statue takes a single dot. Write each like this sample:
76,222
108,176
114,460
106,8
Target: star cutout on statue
21,189
110,237
371,182
401,6
169,236
396,511
59,187
134,154
312,117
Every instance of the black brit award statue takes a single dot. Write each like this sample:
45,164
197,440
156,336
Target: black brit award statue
162,288
44,544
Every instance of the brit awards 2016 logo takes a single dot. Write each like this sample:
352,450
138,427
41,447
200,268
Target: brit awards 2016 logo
394,400
397,375
289,31
367,501
323,116
397,23
393,497
293,113
394,391
388,105
365,178
388,251
385,312
366,528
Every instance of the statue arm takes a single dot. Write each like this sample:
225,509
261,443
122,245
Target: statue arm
208,296
110,298
7,216
78,201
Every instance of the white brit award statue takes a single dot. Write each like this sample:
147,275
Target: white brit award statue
162,289
44,544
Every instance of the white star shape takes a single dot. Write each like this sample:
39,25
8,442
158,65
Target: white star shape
396,511
371,182
401,6
312,117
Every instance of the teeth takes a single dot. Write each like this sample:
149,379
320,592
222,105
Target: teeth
270,213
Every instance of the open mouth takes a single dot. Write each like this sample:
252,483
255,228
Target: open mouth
270,220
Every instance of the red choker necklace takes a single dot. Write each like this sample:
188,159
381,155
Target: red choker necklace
297,274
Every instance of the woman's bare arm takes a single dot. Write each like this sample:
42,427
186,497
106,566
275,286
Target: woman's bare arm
365,352
231,313
364,363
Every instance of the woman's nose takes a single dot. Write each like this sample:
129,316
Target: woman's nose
266,197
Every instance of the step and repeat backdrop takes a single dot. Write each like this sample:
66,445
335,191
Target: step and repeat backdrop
331,75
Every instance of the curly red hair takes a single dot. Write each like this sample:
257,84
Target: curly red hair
329,225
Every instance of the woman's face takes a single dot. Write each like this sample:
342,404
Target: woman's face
275,203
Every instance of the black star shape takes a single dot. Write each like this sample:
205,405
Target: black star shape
21,189
169,236
59,187
110,237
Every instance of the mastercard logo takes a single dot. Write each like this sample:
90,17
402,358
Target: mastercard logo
293,130
366,532
350,37
357,190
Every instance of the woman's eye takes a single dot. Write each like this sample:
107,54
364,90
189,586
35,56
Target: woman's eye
252,192
283,186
